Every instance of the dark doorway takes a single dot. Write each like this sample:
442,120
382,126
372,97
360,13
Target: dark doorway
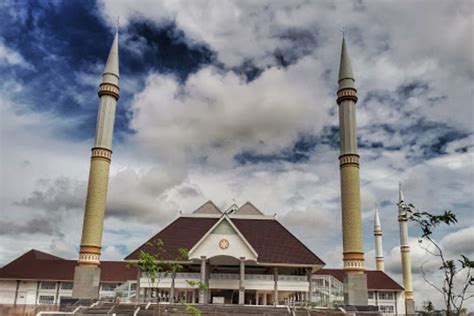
250,297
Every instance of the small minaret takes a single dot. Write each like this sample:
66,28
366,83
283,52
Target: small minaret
87,272
379,261
405,252
355,282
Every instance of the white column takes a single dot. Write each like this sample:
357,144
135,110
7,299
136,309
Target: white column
202,294
275,288
16,291
173,276
137,290
242,281
56,300
310,285
37,292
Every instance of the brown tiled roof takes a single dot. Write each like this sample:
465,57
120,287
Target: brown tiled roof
117,271
376,280
184,232
274,243
37,265
271,240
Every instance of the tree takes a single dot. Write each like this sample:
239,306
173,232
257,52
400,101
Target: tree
156,267
454,291
428,307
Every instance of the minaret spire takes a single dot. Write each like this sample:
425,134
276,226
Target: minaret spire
87,272
405,252
379,260
346,77
355,282
400,192
111,69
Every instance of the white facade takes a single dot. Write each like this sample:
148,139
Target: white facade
388,301
32,292
328,292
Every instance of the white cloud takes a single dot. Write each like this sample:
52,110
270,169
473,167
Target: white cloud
460,242
12,57
217,115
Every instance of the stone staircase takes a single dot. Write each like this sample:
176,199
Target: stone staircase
206,310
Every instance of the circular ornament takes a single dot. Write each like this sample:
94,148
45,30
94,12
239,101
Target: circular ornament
224,244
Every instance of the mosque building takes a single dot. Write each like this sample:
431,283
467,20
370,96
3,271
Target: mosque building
242,255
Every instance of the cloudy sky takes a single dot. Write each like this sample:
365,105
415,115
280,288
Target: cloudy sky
228,100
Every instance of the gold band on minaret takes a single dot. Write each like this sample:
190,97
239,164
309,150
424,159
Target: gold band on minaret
107,88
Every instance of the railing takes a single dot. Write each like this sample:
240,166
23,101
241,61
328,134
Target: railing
259,277
188,276
293,278
224,276
180,275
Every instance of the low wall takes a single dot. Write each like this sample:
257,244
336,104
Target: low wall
24,310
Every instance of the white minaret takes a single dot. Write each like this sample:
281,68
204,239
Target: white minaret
87,272
379,261
405,252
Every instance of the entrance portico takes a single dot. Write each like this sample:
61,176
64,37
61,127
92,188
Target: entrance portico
230,280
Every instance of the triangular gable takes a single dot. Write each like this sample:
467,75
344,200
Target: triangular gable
208,208
223,239
248,209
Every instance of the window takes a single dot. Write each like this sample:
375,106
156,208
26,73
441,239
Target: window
371,295
387,309
64,298
66,285
108,286
386,295
48,285
46,299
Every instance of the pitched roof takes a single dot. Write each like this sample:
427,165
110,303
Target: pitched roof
376,280
37,265
271,240
274,243
184,232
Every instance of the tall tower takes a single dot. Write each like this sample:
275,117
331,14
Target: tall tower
379,262
405,252
355,281
87,272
